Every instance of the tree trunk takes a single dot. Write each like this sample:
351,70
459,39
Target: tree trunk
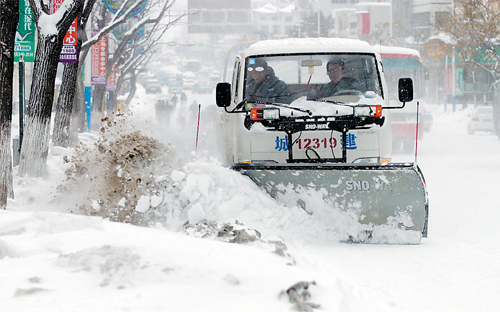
79,120
64,108
69,113
133,88
9,16
35,146
97,102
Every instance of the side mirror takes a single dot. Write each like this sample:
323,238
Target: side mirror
223,94
405,90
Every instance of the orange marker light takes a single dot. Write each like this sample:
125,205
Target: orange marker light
256,114
378,110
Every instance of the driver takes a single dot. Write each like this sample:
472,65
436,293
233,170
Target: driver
264,86
335,71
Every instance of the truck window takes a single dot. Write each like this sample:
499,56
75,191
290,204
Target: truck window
304,73
236,78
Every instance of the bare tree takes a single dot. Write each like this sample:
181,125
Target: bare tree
127,60
9,16
125,53
66,103
35,146
474,28
69,109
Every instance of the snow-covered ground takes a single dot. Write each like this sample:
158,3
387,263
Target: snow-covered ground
53,258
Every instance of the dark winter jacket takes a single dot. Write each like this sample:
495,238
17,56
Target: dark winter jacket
329,89
270,90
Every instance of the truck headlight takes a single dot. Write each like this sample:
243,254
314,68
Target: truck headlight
368,111
257,114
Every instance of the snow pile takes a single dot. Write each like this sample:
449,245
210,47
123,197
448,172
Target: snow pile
127,176
117,176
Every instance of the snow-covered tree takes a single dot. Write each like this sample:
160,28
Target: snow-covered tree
51,31
66,103
126,58
69,109
474,28
9,15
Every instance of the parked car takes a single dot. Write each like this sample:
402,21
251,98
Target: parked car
481,120
153,86
189,80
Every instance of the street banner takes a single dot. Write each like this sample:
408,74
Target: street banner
25,35
69,53
99,61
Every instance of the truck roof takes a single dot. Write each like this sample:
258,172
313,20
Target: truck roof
308,45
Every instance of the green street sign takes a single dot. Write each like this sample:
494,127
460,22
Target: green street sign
25,34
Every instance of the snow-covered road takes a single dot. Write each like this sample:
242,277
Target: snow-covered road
51,260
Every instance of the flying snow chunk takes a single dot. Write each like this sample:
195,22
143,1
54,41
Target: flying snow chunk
122,202
196,213
177,176
156,200
143,204
95,205
160,178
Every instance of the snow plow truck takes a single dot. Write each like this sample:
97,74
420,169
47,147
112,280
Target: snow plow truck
303,144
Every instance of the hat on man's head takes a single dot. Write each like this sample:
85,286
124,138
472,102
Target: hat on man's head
257,64
335,62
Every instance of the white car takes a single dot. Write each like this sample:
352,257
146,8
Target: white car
481,120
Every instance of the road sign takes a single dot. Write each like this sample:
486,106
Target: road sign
435,50
393,42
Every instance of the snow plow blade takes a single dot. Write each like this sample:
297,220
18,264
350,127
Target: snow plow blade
378,195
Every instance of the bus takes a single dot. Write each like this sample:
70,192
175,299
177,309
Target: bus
398,63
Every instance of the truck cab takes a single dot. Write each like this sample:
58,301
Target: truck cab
301,65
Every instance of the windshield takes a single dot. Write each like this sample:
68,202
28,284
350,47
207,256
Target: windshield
318,77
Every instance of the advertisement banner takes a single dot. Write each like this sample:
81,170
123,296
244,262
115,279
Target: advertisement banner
69,53
25,35
99,61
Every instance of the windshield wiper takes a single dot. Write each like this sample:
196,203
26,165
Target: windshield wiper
292,108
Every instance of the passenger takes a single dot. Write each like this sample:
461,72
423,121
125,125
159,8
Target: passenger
335,71
264,86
